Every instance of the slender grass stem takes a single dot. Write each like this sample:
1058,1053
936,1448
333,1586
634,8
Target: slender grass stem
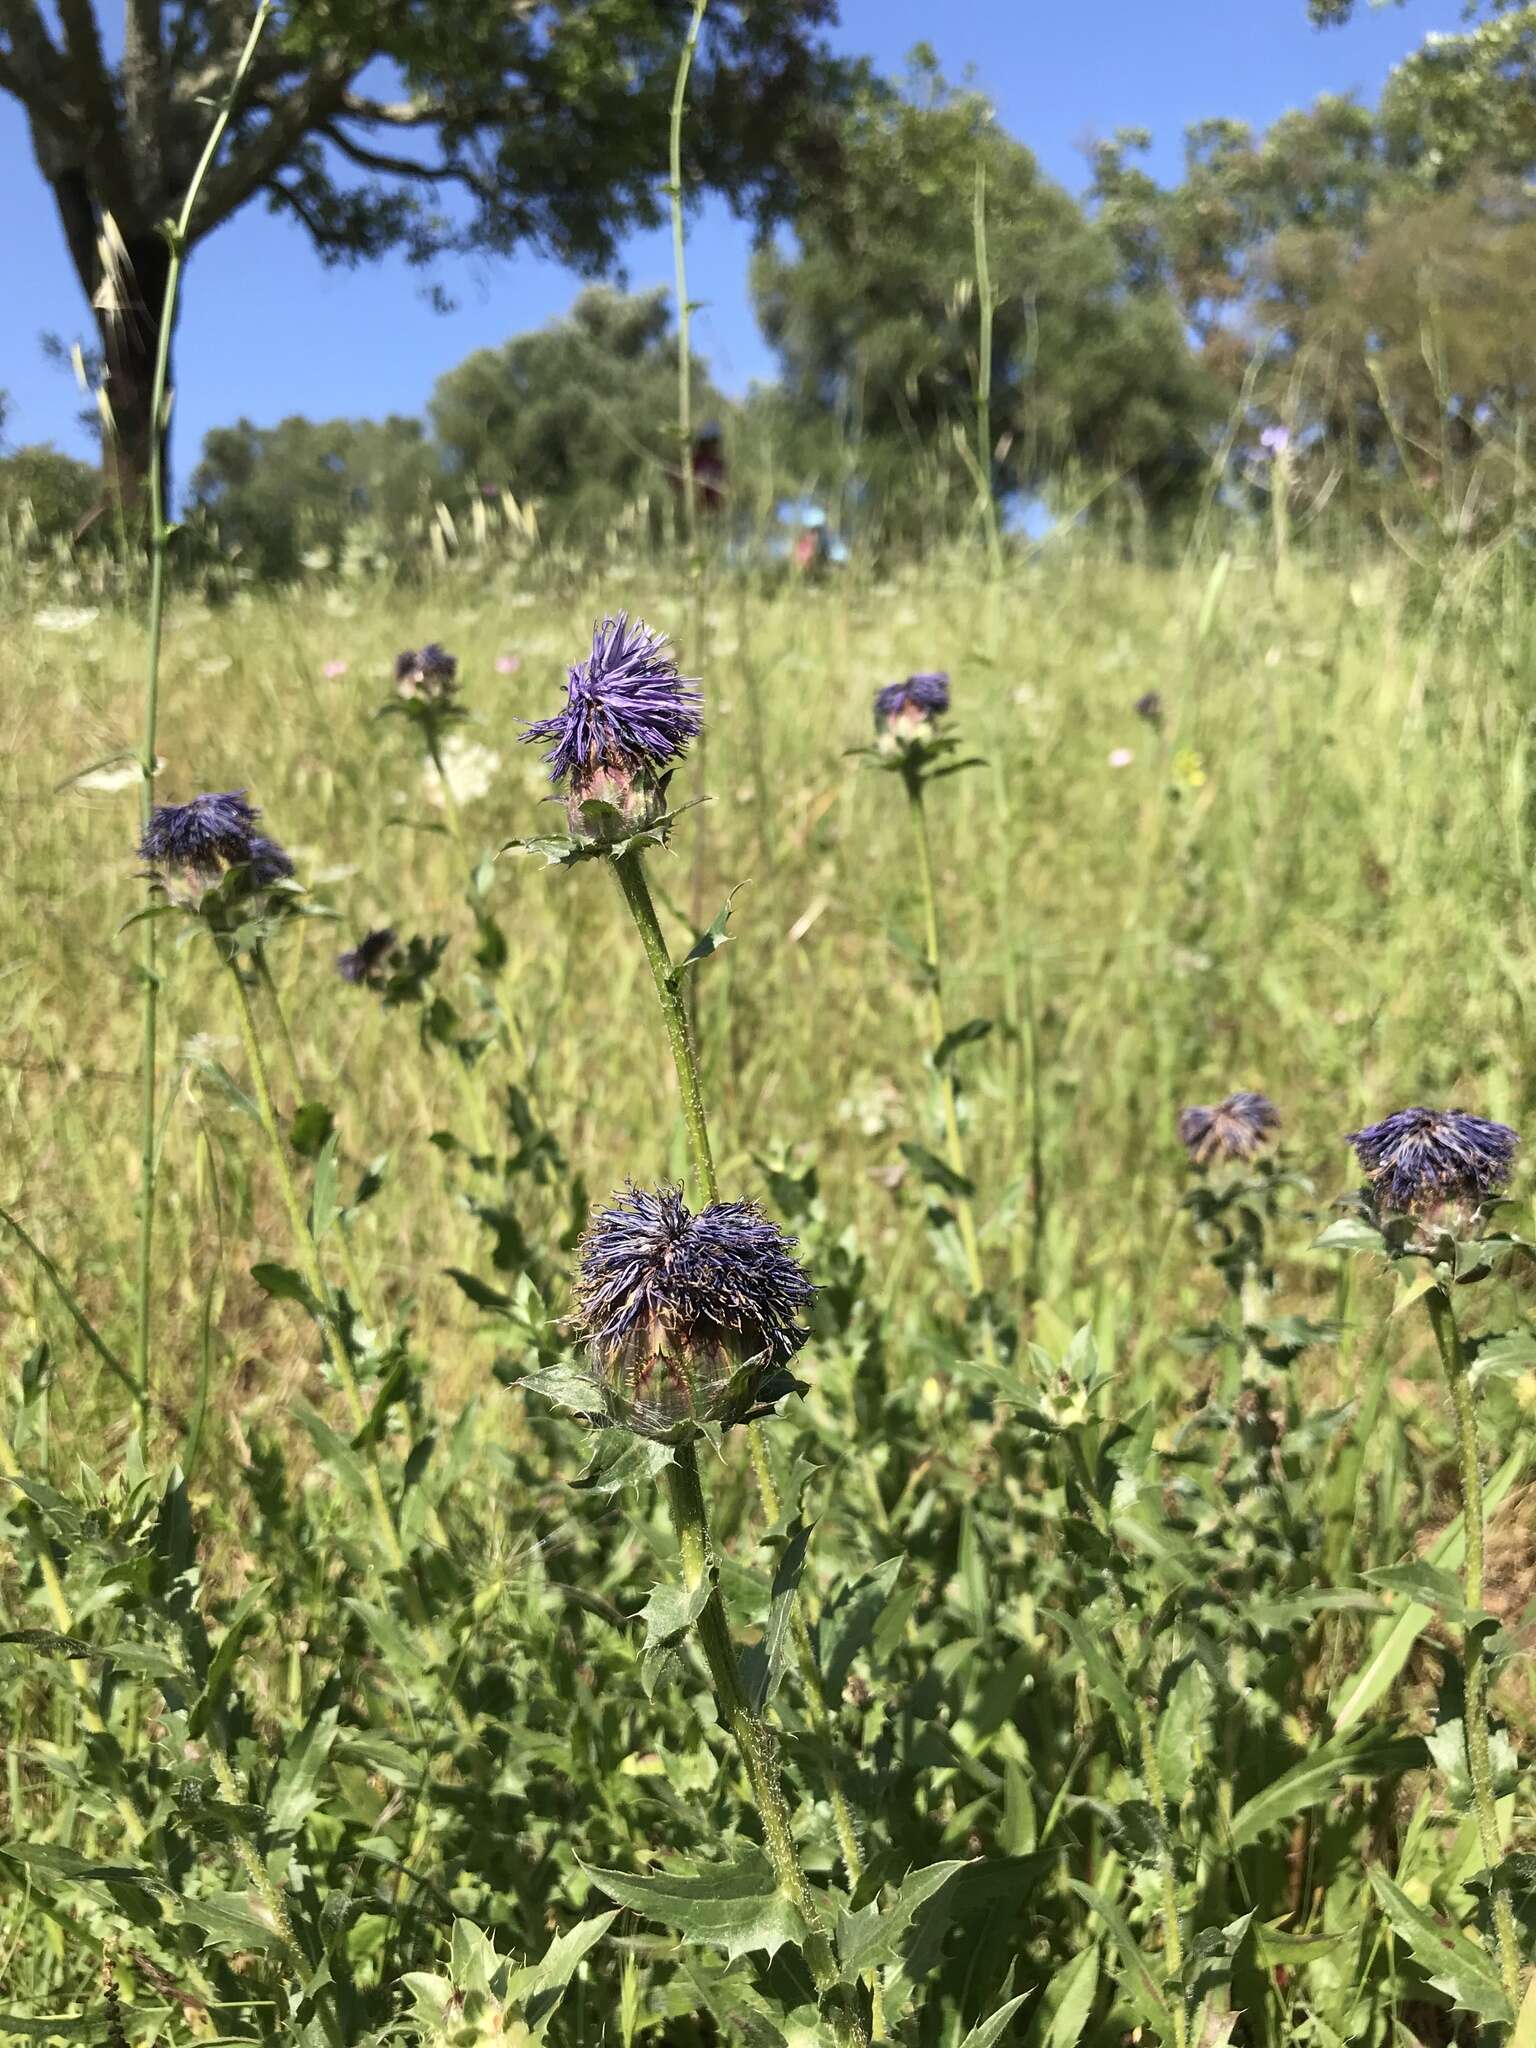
759,1750
159,535
680,266
1442,1315
454,817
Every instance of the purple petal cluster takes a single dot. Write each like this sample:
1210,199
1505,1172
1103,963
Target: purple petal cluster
627,710
915,702
209,834
1416,1159
1236,1129
368,959
650,1270
430,672
201,840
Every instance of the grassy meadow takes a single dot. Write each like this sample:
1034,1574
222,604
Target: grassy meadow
1310,875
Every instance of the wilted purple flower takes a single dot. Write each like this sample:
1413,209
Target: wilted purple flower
1149,707
1417,1159
904,709
369,958
628,715
191,846
430,673
1235,1129
686,1316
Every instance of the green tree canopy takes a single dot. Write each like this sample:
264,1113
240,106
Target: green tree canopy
414,124
578,415
875,318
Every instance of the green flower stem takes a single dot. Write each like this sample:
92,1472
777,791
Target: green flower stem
159,535
758,1747
1442,1315
308,1257
680,267
630,875
965,1214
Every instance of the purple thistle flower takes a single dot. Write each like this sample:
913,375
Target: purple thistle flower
902,709
210,833
1236,1129
672,1306
430,672
1417,1159
194,844
626,706
369,958
628,716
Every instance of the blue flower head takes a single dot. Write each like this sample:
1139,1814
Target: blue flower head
191,846
1234,1130
1418,1160
902,710
628,717
687,1318
429,673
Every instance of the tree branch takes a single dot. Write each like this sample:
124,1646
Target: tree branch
33,67
389,113
117,190
397,166
253,165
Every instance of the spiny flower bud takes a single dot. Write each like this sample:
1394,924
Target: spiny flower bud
628,716
1234,1130
1443,1164
687,1319
905,710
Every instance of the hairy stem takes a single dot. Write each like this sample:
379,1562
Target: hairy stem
758,1747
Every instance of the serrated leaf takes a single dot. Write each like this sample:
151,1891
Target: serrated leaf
1466,1974
1067,2002
1433,1588
870,1939
765,1663
669,1614
284,1284
1143,1986
990,2030
710,940
1103,1679
1317,1777
735,1906
560,1961
232,1920
848,1624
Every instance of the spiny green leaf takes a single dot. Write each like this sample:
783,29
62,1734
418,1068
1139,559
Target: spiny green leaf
1466,1974
737,1906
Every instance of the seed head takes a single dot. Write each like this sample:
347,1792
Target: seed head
429,674
369,960
1236,1129
685,1316
902,710
1418,1160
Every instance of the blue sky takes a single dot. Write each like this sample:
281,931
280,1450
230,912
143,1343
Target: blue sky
268,331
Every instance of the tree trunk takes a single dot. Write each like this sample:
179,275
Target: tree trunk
129,308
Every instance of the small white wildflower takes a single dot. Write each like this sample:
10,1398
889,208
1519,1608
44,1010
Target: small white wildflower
1121,757
469,767
65,618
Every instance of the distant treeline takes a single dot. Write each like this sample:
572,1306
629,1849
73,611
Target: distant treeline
1355,281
